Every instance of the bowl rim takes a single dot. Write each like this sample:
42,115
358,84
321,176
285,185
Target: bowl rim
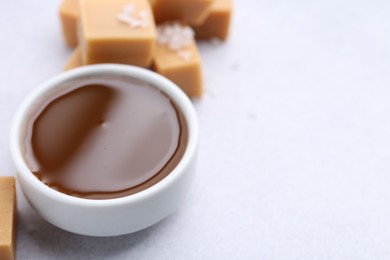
168,87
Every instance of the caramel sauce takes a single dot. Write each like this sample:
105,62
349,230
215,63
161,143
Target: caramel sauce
105,138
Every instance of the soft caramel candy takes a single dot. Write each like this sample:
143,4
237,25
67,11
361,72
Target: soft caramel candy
7,219
193,12
74,60
69,13
183,68
177,58
121,31
217,23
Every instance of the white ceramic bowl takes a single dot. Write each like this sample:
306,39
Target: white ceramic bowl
108,217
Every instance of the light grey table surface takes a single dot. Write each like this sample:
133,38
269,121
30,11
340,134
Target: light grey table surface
294,161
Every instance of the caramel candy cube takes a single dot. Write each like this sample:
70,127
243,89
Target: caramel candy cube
7,219
121,31
177,58
183,68
217,23
193,12
69,13
74,60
